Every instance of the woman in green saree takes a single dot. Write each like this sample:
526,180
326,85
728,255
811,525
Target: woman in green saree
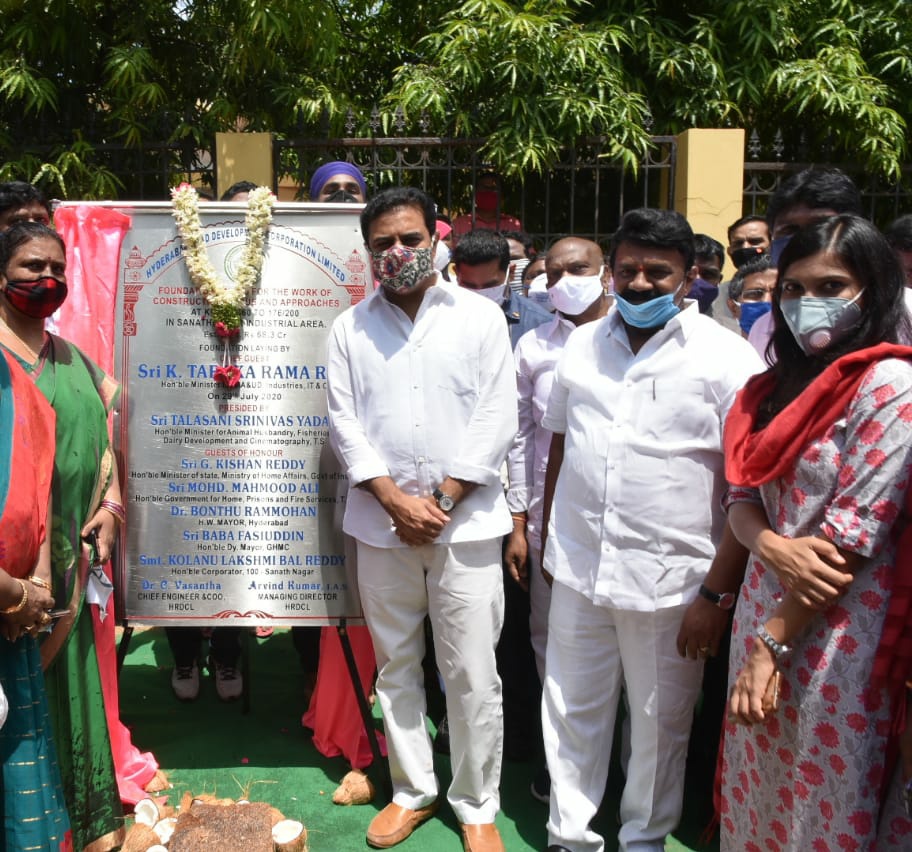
86,505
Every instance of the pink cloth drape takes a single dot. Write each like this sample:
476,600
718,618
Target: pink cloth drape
93,236
333,713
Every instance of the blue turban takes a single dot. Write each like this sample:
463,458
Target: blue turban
337,167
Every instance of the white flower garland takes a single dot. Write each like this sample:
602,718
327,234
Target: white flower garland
226,300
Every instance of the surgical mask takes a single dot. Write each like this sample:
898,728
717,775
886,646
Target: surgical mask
401,269
538,292
818,323
519,267
340,196
653,313
572,294
442,256
496,294
38,298
740,256
751,312
777,246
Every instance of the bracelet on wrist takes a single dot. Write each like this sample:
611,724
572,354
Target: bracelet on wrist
778,649
40,582
517,517
21,605
116,509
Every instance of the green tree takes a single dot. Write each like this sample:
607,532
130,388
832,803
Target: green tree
525,77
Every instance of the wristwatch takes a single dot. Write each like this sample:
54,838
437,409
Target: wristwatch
444,502
724,601
779,649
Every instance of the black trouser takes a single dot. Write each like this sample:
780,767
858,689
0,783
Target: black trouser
185,642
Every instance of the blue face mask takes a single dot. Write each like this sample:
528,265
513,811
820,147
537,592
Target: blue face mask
653,313
751,312
777,246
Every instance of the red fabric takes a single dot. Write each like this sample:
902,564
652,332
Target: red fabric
333,714
23,524
93,236
753,458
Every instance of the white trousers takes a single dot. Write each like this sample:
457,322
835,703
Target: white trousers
460,586
592,652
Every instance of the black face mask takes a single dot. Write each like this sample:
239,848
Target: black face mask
340,196
743,255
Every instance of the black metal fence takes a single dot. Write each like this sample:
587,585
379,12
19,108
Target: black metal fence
585,193
883,201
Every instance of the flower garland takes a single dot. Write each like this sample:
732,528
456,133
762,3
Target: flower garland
226,301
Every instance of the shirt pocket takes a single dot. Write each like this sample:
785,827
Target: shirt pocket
677,415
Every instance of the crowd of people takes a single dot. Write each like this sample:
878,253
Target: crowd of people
600,483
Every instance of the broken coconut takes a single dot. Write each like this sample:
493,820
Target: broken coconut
139,838
164,828
355,789
146,812
289,835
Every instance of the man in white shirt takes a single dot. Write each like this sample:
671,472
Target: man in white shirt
577,280
422,406
633,490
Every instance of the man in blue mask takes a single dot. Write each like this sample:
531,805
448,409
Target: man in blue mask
632,490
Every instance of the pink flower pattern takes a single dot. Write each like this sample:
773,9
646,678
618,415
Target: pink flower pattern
810,768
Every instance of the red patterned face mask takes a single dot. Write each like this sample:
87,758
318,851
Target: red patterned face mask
38,298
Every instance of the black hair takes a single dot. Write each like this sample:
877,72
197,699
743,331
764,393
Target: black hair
237,189
482,246
751,217
526,275
487,174
864,251
18,193
899,233
761,263
706,246
399,196
21,233
829,189
665,229
523,239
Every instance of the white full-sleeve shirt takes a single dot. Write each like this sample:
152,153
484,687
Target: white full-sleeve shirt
536,356
420,401
637,508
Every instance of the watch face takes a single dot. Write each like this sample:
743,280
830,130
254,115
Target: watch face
726,600
445,502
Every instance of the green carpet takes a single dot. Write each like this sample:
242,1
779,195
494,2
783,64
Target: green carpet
210,747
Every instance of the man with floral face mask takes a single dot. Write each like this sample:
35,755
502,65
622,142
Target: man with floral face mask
422,408
632,490
482,264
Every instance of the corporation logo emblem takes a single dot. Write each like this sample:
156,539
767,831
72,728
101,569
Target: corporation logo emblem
233,261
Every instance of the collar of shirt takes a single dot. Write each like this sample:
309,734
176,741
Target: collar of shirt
441,291
682,323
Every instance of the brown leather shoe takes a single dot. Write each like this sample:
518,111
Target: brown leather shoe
481,838
394,823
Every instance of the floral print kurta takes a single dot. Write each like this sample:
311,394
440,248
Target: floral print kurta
809,777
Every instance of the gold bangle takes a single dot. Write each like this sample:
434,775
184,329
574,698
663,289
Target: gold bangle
40,582
520,518
21,605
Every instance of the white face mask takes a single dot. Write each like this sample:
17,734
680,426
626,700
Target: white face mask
496,294
538,291
572,294
441,256
519,266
